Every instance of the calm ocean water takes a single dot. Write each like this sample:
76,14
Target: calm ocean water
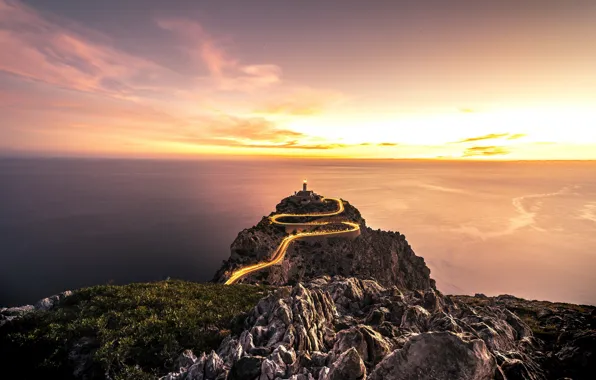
527,229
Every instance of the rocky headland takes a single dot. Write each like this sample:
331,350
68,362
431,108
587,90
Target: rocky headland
363,308
385,257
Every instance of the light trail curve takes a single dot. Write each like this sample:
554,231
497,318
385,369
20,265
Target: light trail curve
279,254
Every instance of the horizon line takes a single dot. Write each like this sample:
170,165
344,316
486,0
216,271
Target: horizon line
200,157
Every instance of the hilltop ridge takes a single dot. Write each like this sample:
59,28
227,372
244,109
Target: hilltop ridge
383,256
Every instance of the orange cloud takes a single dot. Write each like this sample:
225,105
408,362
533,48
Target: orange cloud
229,131
292,107
516,136
301,102
485,151
294,145
252,129
491,136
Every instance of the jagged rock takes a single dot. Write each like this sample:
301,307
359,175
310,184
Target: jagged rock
186,359
444,322
521,329
377,316
371,346
247,368
441,355
16,311
270,370
197,370
515,369
230,351
319,359
415,318
317,330
348,366
214,366
11,313
287,356
49,302
377,346
577,356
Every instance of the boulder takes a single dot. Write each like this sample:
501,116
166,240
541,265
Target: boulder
442,355
247,368
349,366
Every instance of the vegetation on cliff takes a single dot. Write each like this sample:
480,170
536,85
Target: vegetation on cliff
124,332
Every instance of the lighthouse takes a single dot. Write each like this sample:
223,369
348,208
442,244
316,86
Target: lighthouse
306,196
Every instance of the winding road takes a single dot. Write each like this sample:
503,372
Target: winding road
280,252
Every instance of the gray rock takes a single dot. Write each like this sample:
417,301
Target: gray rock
186,359
12,313
197,370
441,355
49,302
270,370
214,366
515,369
317,330
247,368
415,318
348,366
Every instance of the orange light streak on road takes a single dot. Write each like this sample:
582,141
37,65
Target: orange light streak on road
280,252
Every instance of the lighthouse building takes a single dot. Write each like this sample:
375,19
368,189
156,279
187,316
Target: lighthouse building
306,196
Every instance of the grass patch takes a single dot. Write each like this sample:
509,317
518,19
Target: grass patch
128,332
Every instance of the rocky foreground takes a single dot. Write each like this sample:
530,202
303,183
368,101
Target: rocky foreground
348,328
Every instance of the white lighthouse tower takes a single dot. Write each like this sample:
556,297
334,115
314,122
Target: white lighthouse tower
306,196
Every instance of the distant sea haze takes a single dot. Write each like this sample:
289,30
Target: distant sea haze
521,228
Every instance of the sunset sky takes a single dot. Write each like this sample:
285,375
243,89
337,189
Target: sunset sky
470,79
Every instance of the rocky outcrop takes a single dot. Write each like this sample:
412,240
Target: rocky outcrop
8,314
385,257
349,328
49,302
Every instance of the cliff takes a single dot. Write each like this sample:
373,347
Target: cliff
383,256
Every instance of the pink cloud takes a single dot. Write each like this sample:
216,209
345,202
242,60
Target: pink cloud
228,73
215,58
39,49
203,48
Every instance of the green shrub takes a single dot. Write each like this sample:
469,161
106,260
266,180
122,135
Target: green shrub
130,332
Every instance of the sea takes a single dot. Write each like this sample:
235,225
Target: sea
521,228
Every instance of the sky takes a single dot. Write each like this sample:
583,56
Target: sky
464,79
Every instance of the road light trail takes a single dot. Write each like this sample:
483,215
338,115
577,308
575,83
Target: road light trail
279,254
